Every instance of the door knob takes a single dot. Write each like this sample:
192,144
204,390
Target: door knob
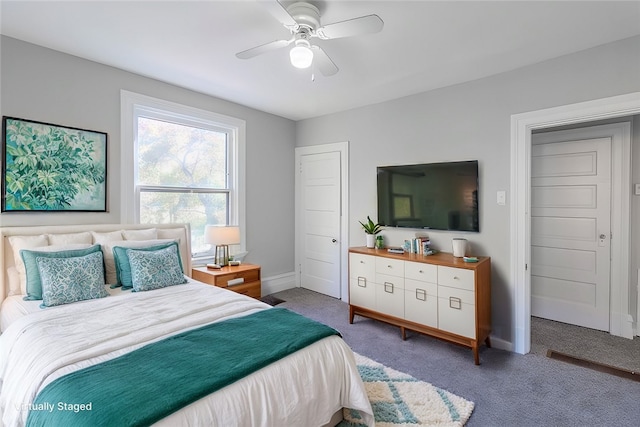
333,240
603,236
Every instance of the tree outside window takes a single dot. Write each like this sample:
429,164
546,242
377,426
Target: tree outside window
183,175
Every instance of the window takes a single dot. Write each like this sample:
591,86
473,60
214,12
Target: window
186,166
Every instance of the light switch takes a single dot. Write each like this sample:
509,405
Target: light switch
502,198
637,189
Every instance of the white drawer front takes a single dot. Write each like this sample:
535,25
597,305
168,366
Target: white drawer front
456,311
412,285
421,307
362,266
421,271
390,300
362,293
390,281
392,267
456,277
467,297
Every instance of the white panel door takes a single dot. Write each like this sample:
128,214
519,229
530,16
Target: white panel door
570,231
320,223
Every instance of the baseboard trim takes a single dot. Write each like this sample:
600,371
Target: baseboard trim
501,344
280,282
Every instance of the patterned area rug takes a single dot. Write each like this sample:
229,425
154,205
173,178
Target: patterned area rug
399,399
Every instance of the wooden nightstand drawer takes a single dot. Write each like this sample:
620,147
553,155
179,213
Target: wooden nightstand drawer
243,279
251,289
238,278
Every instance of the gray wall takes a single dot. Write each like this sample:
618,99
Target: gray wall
472,121
462,122
49,86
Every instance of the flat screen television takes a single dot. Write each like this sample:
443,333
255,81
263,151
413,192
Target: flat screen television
437,196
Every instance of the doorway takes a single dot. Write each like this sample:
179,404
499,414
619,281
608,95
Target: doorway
522,126
571,224
321,218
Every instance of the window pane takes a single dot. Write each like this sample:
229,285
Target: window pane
197,209
170,154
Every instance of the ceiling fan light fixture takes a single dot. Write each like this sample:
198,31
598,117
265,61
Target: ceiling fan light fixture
301,55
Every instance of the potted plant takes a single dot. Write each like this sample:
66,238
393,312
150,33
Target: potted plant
371,229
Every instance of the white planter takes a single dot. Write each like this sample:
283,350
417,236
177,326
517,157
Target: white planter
371,240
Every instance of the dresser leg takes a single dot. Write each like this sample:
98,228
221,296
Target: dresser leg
476,355
487,341
351,314
403,331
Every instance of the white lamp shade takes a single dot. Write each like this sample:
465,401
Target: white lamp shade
222,235
301,56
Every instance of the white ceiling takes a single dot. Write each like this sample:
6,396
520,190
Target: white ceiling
424,44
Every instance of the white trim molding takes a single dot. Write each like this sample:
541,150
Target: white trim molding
520,228
129,102
281,282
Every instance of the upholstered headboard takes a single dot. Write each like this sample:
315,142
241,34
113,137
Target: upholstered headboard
181,231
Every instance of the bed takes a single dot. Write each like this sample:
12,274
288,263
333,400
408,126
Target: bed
146,336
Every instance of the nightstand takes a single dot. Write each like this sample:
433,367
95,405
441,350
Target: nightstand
243,279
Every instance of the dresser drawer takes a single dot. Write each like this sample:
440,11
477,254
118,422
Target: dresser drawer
456,278
411,285
421,271
391,267
391,282
362,266
390,299
456,311
421,303
362,293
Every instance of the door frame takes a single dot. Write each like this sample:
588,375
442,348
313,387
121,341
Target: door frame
343,149
522,125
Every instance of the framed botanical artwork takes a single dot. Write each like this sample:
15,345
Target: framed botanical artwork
47,167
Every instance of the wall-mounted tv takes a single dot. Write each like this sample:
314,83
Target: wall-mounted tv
437,196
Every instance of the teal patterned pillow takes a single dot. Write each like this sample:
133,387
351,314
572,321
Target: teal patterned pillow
34,282
155,269
67,280
123,267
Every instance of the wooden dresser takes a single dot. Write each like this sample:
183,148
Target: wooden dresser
243,278
438,295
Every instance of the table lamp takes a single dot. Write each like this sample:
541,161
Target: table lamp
222,236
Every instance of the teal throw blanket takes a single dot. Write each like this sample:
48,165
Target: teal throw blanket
148,384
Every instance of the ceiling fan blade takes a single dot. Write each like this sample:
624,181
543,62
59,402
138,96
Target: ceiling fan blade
323,62
351,27
259,50
279,12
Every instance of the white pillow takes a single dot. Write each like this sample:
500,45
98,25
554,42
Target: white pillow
171,233
101,238
25,242
14,281
111,275
148,234
71,238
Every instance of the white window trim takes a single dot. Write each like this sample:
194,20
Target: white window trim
128,205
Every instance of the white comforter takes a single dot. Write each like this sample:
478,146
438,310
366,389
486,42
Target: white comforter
302,389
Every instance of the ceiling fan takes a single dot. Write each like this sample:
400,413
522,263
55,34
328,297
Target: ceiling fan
302,19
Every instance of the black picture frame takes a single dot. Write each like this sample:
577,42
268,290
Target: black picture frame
48,167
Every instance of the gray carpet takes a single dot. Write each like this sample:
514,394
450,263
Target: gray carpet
508,389
589,344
